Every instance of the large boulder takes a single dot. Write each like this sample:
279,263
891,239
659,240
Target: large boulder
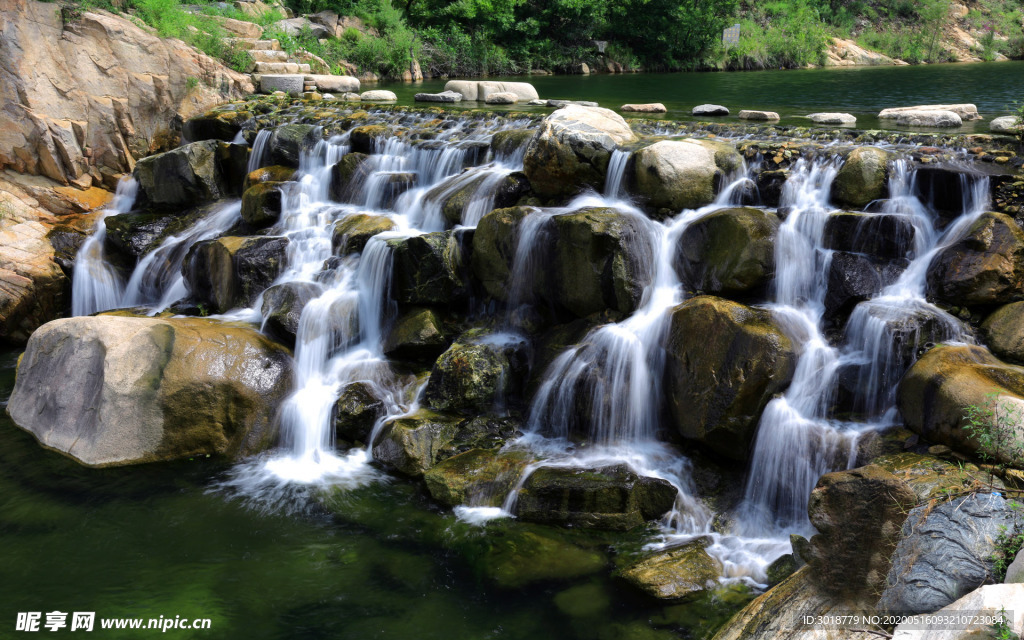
682,174
98,92
188,175
862,178
854,278
297,26
415,443
675,573
879,235
282,308
935,394
965,111
870,501
1006,124
348,174
948,190
987,604
481,90
725,362
612,497
232,271
139,232
222,123
946,552
571,151
728,252
494,249
428,268
936,118
119,390
32,284
1004,332
476,372
595,259
261,204
456,204
984,267
288,141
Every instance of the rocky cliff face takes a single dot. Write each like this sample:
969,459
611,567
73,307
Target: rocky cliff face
83,99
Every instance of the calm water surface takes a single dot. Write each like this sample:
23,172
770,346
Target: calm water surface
861,91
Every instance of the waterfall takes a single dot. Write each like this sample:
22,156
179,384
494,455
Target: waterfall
616,172
96,285
260,154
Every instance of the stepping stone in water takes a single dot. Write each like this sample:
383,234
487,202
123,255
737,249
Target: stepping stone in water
652,107
710,110
763,116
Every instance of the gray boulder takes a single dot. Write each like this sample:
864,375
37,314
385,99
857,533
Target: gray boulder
844,119
1005,124
444,96
282,308
288,141
710,110
863,177
945,552
939,119
761,116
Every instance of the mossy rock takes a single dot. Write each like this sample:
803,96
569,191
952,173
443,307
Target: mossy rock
273,173
677,174
590,600
474,373
261,204
429,268
282,309
356,412
478,477
187,176
1003,332
352,232
985,267
288,141
215,125
363,139
418,334
347,174
507,142
413,444
929,477
675,573
863,177
232,271
729,252
494,248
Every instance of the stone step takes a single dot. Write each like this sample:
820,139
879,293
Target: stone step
248,44
268,55
291,84
281,68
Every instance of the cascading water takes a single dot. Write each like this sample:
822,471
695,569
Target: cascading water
96,285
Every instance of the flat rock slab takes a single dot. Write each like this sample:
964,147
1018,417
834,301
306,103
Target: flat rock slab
945,119
378,95
710,110
965,111
762,116
444,96
292,84
832,118
651,107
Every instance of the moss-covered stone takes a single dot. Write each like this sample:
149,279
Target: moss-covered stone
507,142
862,178
429,268
288,141
216,124
494,247
418,334
523,557
273,173
477,477
590,600
363,139
985,267
929,477
611,497
675,573
1003,332
347,175
413,444
728,252
356,412
186,176
352,232
261,204
232,271
475,372
725,362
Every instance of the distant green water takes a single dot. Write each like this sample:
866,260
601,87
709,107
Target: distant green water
861,91
154,540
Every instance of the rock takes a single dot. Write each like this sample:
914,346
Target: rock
290,83
231,272
412,444
508,142
97,92
583,601
217,124
572,149
864,177
444,96
350,173
929,119
457,202
113,391
357,411
32,285
675,573
135,234
478,477
731,251
844,119
879,235
870,501
581,68
963,111
296,26
935,393
725,362
990,600
476,372
326,18
652,107
681,174
352,232
1005,124
273,173
494,247
282,308
558,104
854,278
428,268
334,84
986,266
524,91
763,116
186,176
1003,332
613,497
593,260
364,139
504,97
261,204
468,89
847,53
1015,572
946,552
520,557
710,110
781,568
946,189
288,141
927,476
417,335
378,95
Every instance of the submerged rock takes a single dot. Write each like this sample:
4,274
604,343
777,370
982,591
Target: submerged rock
863,177
728,252
118,390
521,557
282,308
946,552
725,362
986,266
935,393
611,497
675,573
231,272
571,151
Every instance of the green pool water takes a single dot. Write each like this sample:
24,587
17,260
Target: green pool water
861,91
382,562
